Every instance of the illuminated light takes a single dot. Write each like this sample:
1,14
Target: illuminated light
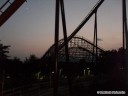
38,75
52,72
8,77
60,71
88,68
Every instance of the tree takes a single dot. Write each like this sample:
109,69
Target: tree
31,66
4,49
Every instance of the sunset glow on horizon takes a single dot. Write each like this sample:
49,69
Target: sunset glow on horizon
31,28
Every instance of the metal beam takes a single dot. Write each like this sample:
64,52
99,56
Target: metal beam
95,31
56,48
94,9
64,29
125,39
10,10
83,22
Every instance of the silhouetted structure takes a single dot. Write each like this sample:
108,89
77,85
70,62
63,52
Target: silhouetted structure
82,55
66,40
72,50
79,49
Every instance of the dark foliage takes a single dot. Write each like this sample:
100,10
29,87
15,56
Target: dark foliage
4,50
17,73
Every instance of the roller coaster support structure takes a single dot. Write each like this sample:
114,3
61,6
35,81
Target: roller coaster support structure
125,39
66,40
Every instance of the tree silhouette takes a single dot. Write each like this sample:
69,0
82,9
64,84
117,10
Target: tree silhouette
4,50
31,66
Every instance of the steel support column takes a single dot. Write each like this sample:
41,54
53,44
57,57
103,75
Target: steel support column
66,43
125,39
95,31
56,48
124,22
64,29
95,38
57,39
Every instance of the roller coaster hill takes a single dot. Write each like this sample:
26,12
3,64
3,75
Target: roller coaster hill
82,55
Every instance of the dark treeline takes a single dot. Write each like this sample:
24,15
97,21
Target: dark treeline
14,72
111,60
111,70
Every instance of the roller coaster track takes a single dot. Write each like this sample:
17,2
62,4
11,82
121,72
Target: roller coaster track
79,46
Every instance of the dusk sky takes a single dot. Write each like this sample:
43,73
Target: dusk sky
30,30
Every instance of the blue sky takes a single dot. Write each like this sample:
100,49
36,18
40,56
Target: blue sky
31,29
